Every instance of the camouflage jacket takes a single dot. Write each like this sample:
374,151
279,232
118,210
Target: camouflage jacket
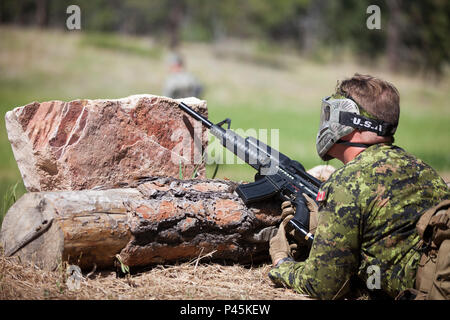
367,218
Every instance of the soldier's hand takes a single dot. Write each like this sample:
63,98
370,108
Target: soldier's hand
300,248
313,213
311,204
287,209
279,245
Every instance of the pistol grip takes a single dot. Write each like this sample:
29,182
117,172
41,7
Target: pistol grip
300,221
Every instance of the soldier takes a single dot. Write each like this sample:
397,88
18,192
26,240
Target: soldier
368,209
180,83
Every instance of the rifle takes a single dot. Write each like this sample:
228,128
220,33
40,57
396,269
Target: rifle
277,174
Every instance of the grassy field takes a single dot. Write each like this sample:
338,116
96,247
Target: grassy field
257,86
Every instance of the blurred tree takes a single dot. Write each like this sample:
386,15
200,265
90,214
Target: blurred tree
425,35
42,13
346,25
413,32
311,25
393,34
175,17
277,19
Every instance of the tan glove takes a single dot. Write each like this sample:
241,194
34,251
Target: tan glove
299,249
279,245
313,213
288,209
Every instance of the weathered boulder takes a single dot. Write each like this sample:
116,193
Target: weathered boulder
151,221
83,144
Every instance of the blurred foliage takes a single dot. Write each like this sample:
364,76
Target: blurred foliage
413,33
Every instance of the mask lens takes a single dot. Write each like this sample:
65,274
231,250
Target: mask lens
325,113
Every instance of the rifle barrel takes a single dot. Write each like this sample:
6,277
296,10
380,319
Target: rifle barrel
195,115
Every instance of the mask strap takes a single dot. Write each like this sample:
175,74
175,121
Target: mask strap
357,121
353,144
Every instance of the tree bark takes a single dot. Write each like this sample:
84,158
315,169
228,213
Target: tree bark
150,221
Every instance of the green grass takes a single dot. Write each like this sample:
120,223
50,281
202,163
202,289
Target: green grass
129,46
426,134
10,195
259,87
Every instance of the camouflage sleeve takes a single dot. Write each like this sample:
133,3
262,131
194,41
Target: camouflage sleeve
334,255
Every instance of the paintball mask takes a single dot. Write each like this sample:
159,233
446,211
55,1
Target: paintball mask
340,116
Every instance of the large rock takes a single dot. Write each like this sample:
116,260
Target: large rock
85,144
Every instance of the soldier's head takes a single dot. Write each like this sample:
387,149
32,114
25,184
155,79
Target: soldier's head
362,105
176,62
379,98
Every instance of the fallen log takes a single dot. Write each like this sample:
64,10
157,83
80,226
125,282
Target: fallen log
151,221
83,227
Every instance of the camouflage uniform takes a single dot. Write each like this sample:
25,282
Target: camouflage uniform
368,217
182,85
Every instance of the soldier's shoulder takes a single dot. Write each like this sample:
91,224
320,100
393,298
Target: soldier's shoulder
347,174
370,165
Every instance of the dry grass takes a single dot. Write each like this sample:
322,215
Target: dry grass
190,280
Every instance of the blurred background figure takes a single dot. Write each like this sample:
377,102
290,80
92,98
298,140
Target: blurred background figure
180,83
